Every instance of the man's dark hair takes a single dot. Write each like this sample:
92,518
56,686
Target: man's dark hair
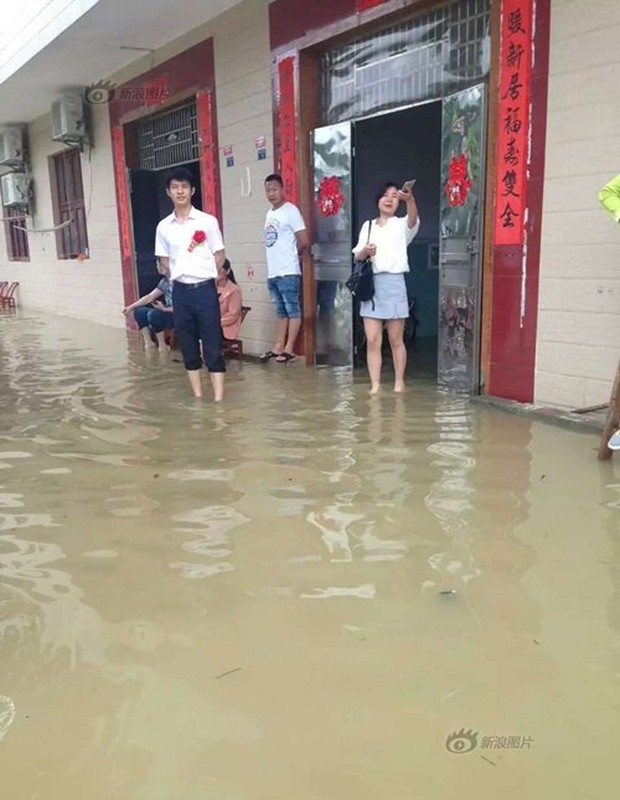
180,174
275,177
387,185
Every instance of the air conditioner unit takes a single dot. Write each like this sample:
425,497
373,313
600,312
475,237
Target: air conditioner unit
15,189
69,119
13,146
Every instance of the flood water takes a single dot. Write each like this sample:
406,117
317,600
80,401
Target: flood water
301,594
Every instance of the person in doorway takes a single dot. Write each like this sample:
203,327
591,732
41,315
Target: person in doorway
154,317
231,301
286,240
609,196
385,240
189,245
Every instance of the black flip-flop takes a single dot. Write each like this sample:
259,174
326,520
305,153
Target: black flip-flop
284,358
268,356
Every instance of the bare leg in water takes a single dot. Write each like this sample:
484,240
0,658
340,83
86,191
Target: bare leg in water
396,330
149,344
374,340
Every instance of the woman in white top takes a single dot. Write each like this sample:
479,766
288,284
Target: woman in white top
387,248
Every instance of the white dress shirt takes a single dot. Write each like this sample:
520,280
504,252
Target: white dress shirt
173,240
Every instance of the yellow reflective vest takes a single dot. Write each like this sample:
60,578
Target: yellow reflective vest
610,197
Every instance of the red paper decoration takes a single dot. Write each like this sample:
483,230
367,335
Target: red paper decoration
458,184
330,199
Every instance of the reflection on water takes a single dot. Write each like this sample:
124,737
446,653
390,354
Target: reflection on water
159,559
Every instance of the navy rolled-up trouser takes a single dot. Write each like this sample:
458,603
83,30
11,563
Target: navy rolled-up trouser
197,319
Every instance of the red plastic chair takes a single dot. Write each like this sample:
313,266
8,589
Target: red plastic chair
7,298
3,285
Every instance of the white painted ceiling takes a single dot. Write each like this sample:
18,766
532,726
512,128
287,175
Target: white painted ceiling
90,49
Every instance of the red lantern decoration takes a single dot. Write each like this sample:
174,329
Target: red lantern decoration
330,199
458,184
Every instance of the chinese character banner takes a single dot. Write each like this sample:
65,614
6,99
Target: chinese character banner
514,120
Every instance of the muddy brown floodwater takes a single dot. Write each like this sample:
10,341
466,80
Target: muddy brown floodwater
303,594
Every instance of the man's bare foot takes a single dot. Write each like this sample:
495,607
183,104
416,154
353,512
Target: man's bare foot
399,387
374,389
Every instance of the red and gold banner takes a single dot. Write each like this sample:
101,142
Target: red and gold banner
514,121
122,194
209,165
287,127
123,211
363,5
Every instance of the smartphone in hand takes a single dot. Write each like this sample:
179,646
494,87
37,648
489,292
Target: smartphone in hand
408,185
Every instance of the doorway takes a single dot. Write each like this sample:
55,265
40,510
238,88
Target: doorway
397,147
440,144
159,143
150,204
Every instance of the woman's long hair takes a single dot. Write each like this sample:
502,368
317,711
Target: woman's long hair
229,271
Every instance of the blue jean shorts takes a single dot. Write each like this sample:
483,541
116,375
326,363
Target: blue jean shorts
284,291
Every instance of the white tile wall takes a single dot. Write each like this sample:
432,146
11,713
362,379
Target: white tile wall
579,304
93,288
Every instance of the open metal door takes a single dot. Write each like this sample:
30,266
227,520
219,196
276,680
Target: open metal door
331,149
460,258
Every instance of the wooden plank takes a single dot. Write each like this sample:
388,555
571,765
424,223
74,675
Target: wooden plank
613,419
309,118
486,296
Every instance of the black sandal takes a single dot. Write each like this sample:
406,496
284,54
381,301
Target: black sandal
284,358
268,356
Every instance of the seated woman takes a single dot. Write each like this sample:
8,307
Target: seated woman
230,300
159,317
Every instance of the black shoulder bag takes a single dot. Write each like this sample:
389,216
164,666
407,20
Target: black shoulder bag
361,283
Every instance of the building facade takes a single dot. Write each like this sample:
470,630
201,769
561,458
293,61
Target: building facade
498,108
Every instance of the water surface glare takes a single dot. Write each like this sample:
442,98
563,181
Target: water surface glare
302,594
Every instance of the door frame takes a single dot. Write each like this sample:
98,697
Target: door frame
309,58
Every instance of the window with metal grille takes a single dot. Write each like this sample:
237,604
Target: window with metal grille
68,204
433,55
169,139
16,239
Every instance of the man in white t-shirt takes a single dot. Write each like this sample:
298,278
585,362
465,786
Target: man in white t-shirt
286,238
189,245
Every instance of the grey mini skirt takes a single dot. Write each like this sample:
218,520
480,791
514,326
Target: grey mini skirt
390,300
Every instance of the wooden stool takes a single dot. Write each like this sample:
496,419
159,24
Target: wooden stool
233,348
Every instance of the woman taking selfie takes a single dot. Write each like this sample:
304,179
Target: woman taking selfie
384,240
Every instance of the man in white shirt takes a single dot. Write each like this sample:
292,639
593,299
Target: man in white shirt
286,238
189,245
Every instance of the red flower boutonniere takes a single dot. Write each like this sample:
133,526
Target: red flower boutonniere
199,237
